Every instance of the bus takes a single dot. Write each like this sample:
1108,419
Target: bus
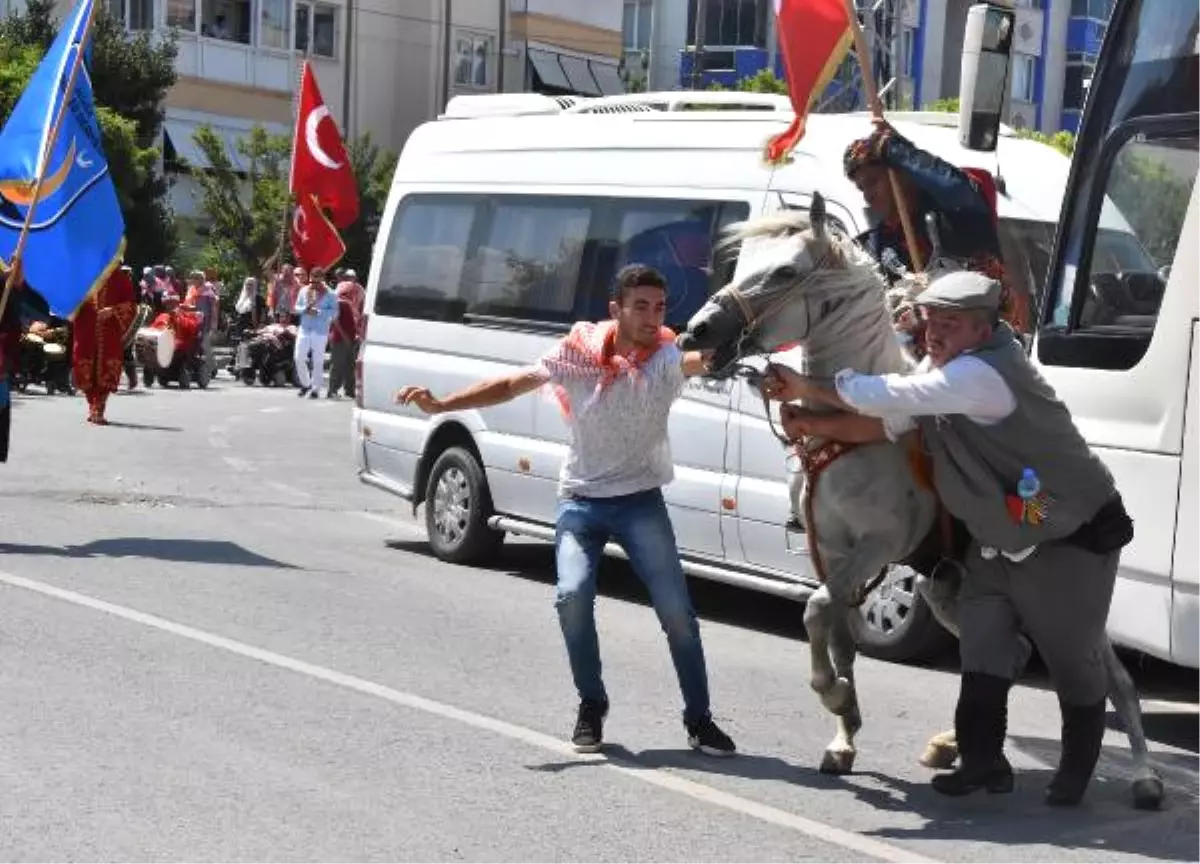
1117,333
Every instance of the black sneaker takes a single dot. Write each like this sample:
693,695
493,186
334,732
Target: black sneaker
302,392
707,737
314,395
589,727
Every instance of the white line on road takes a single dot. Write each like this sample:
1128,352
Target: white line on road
274,409
651,776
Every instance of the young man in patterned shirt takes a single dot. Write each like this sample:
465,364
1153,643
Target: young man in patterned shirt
615,382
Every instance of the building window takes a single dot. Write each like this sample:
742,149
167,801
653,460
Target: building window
273,24
731,23
1074,88
635,25
133,14
181,14
1024,73
1100,10
228,20
472,54
316,29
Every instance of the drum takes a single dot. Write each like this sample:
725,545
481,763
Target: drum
161,343
139,321
32,338
53,349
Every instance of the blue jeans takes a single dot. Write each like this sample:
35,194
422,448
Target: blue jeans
640,524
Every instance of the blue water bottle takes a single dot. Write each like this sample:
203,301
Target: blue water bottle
1029,485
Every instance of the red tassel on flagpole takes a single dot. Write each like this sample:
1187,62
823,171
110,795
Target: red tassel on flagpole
779,146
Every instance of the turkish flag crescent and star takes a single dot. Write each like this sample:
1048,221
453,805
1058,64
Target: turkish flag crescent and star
315,239
322,179
814,38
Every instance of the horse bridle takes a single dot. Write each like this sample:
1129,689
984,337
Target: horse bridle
745,345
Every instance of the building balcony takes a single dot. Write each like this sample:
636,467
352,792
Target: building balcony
247,43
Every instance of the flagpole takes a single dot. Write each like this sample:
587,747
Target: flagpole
44,158
876,106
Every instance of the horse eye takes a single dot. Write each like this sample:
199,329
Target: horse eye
785,272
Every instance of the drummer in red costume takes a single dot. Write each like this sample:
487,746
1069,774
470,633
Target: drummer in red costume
99,331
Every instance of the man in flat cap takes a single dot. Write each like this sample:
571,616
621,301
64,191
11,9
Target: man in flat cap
1045,519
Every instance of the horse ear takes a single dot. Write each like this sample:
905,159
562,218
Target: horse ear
816,215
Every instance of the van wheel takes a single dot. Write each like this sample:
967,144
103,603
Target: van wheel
896,624
457,507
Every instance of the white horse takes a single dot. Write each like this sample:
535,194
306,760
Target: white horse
863,508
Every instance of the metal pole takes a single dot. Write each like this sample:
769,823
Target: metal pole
698,49
501,56
348,68
447,44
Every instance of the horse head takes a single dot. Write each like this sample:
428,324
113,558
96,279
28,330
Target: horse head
793,271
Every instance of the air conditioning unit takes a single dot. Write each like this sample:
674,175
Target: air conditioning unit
1027,32
1022,115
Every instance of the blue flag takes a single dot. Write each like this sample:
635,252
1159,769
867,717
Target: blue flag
77,236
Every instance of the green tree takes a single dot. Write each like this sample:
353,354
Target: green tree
244,214
130,76
946,106
763,81
373,169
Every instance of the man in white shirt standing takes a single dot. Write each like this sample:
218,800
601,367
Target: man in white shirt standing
616,382
1046,521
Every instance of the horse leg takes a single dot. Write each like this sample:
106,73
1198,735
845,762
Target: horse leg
839,755
833,690
1148,791
941,595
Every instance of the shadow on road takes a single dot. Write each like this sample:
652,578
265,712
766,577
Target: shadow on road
116,424
176,550
1105,821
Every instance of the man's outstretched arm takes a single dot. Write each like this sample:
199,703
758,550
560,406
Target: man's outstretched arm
494,391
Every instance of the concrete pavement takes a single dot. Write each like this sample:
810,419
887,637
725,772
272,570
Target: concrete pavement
218,645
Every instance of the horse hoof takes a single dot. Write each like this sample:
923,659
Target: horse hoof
839,698
939,756
1148,793
837,762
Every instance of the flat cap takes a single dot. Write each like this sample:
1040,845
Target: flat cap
962,289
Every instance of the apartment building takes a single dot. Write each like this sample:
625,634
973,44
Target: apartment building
1055,46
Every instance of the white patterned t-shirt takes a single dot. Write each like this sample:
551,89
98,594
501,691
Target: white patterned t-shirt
617,435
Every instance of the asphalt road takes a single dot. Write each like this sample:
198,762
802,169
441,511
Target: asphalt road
217,645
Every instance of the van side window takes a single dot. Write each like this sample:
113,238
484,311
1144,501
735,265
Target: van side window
527,263
1104,313
421,275
674,237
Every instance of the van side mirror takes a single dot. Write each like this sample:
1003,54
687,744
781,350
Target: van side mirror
987,48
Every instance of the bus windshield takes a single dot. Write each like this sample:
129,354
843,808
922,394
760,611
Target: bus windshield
1131,182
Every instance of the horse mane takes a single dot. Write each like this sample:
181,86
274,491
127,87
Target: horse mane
850,269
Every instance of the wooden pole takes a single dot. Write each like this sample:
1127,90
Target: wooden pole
44,158
876,106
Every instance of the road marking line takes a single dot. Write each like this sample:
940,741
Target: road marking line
274,409
651,776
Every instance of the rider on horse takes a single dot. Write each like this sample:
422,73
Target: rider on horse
961,202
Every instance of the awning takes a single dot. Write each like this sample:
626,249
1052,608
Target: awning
607,77
579,76
180,133
182,136
545,64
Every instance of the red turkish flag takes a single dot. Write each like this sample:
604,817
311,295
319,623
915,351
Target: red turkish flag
315,239
814,38
320,167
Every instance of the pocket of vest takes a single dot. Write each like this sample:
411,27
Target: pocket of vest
1109,530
